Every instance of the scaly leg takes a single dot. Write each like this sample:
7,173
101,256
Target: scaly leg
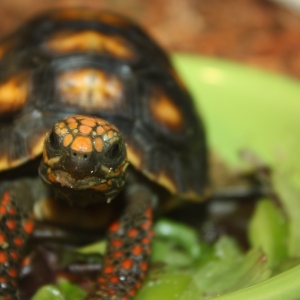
129,241
16,225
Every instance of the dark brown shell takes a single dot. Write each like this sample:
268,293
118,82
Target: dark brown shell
100,64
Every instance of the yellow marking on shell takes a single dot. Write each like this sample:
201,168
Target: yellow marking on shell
134,157
89,40
90,89
14,93
67,140
164,180
88,122
85,129
98,144
37,148
73,125
192,196
6,164
100,130
82,144
166,112
53,161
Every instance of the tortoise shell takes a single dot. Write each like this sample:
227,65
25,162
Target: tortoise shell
100,64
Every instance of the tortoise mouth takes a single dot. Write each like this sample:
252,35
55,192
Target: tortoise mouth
88,189
65,179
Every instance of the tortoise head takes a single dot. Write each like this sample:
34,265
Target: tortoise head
84,160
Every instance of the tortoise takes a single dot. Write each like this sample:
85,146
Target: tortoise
97,101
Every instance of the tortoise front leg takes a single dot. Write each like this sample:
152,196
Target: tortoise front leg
16,225
129,240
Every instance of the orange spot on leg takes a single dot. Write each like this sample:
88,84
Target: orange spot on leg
11,224
114,227
6,198
108,269
127,264
12,273
118,254
2,238
132,233
117,243
114,279
18,241
3,210
101,280
146,240
14,255
144,266
28,226
137,250
12,211
3,257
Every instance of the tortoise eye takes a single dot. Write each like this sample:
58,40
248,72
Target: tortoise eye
53,140
113,152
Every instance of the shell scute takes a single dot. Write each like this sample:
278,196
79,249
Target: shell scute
83,62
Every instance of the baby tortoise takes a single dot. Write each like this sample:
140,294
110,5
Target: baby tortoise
125,128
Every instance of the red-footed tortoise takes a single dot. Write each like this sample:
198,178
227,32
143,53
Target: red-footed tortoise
123,127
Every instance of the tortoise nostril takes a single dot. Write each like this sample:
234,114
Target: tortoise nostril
79,156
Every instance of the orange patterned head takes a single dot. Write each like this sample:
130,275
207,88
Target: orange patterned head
84,160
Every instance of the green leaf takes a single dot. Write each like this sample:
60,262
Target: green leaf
286,182
231,272
180,234
48,292
284,286
97,248
247,108
173,286
71,291
268,230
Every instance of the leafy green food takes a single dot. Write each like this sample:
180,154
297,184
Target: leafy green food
49,292
269,230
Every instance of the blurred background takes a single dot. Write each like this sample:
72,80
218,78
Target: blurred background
257,32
